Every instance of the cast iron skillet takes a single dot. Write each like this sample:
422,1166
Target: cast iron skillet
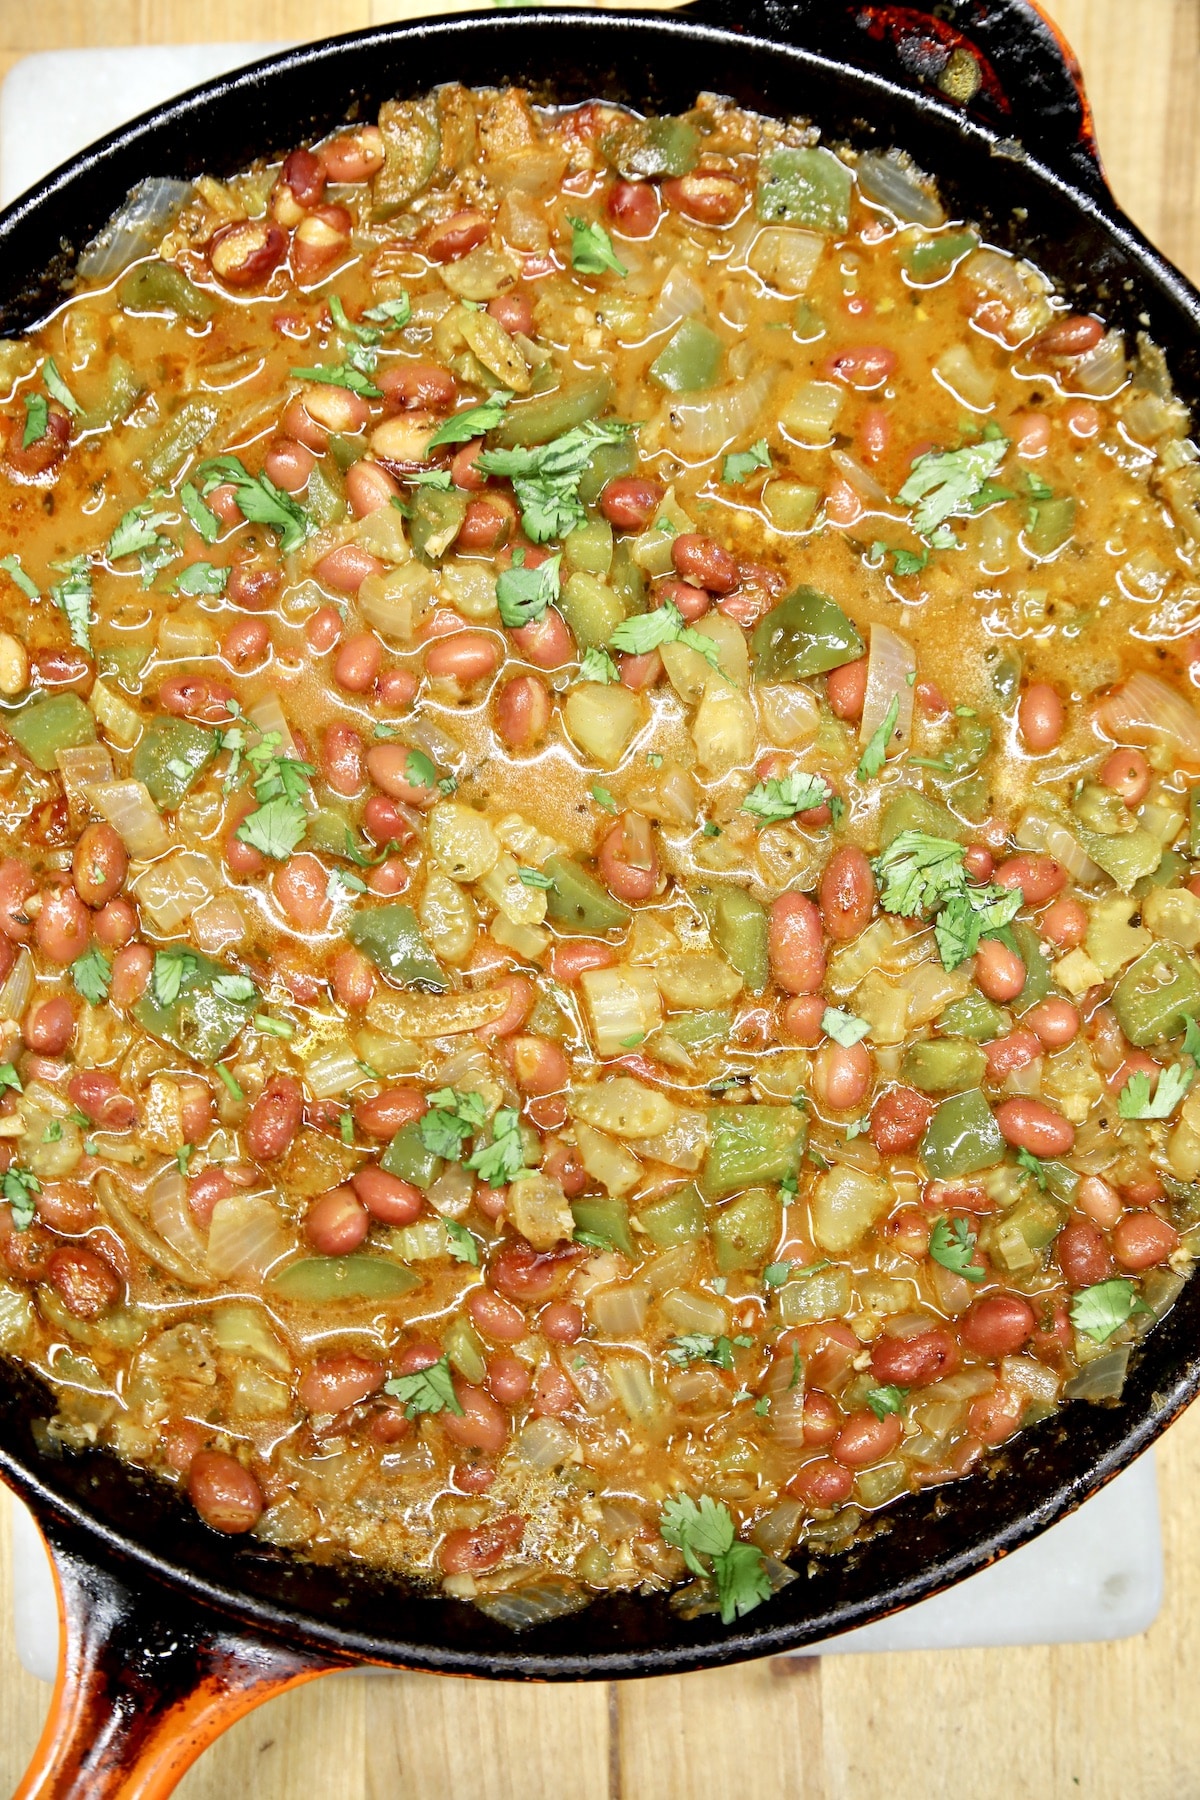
172,1631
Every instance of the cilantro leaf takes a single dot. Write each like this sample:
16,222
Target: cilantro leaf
700,1346
954,1247
10,1079
463,1247
136,531
432,478
917,872
776,1274
662,625
885,1400
472,422
704,1533
274,829
843,1027
1135,1101
258,499
597,665
20,1188
171,969
419,770
92,974
524,594
546,477
774,800
428,1390
37,419
603,798
741,463
201,578
11,565
1033,1165
73,597
742,1581
503,1160
592,250
875,754
1100,1310
344,375
967,916
362,334
393,315
534,878
451,1119
57,388
943,483
205,521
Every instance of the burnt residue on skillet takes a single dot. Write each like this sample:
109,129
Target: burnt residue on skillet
1060,214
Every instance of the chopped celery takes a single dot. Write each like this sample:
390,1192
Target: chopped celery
591,609
391,937
690,361
123,663
408,1157
171,755
185,433
943,1065
550,415
435,521
695,1029
790,505
577,901
604,1223
910,811
464,1350
316,1280
1156,994
1038,1218
589,547
676,1219
626,580
745,1231
202,1019
962,1136
123,388
750,1144
1051,524
739,927
1171,872
1127,858
161,287
806,634
48,724
972,1017
804,187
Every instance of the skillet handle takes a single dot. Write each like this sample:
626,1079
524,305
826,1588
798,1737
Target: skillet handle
145,1683
1002,62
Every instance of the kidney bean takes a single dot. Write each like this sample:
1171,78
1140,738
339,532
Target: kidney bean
864,1439
387,765
386,1197
569,960
99,864
353,979
992,1418
978,862
342,759
1040,717
561,1322
353,155
1142,1239
382,1115
333,1383
1070,335
87,1284
998,1325
1039,878
522,1273
1006,1054
49,1025
246,253
899,1119
301,886
1034,1126
1099,1201
465,657
16,885
115,924
345,569
289,463
523,712
397,687
630,502
66,1206
633,208
796,952
846,894
482,1425
1065,924
864,366
299,186
802,1019
508,1379
514,312
538,1065
463,470
1082,418
31,461
487,523
321,239
842,1075
455,237
253,586
337,1223
999,971
623,877
369,487
197,697
482,1547
1128,773
1055,1021
548,644
709,199
494,1316
691,602
223,501
98,1096
224,1493
823,1484
1082,1254
245,644
391,877
131,975
915,1361
846,689
63,925
702,560
274,1119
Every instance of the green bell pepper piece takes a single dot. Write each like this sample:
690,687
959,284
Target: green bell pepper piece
549,415
123,663
1171,872
464,1350
412,145
1193,848
676,1219
577,901
943,1065
605,464
1156,995
327,833
962,1137
391,937
199,1021
604,1223
933,258
171,756
910,811
186,432
652,148
592,609
1038,1219
408,1158
627,580
966,750
316,1280
1128,858
325,495
972,1017
739,927
589,548
804,187
690,361
161,287
749,1144
123,388
1038,982
1060,1180
1051,523
696,1029
345,451
435,521
745,1232
48,724
806,634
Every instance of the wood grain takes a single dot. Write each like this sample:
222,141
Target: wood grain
1078,1722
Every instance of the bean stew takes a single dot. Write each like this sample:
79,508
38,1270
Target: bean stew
599,848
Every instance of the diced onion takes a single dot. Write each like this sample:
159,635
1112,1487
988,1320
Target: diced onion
623,1006
520,904
537,1208
393,604
382,532
218,923
267,716
245,1238
544,1443
891,662
171,890
133,816
136,227
623,1106
80,769
121,721
684,1143
533,1603
1144,709
148,1242
1102,370
786,259
1040,830
333,1069
810,411
680,297
589,1377
634,1384
889,179
602,720
172,1217
1101,1379
701,428
958,370
607,1161
860,479
16,990
689,1312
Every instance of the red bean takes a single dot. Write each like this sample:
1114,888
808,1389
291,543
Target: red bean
691,602
846,894
841,1075
333,408
1055,1021
865,366
998,1325
456,237
387,765
709,199
999,971
482,1425
337,1223
197,697
99,864
864,1439
66,1206
523,712
465,657
324,629
802,1019
48,1026
246,253
508,1379
386,1197
496,1317
16,885
345,569
302,178
1065,924
822,1419
131,975
464,472
1071,335
274,1119
633,208
418,387
1039,878
482,1547
846,689
630,502
1034,1126
487,523
333,1383
87,1284
1040,717
1082,1254
992,1418
538,1065
301,886
899,1119
1128,773
357,662
915,1361
353,155
702,560
548,644
1142,1239
245,644
562,1322
514,312
397,687
342,759
568,961
98,1096
823,1484
63,925
225,1494
353,979
368,488
1099,1201
391,876
115,924
978,862
382,1115
794,943
30,461
627,861
289,463
522,1273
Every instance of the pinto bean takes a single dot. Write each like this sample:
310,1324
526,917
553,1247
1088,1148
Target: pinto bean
115,924
562,1322
1039,878
1040,717
522,1273
1007,1054
915,1361
245,644
691,602
197,697
1055,1021
49,1026
864,1439
999,971
1128,773
802,1019
1099,1201
998,1325
99,864
1142,1239
842,1075
342,759
702,560
131,975
796,952
846,894
508,1379
87,1284
633,208
569,960
992,1418
482,1425
548,643
386,1197
823,1484
289,463
321,239
1071,335
1082,1254
382,1115
424,387
1065,924
523,712
353,155
246,253
496,1317
899,1119
345,569
224,1493
387,765
352,979
465,657
455,237
624,849
301,182
709,199
301,886
539,1066
98,1096
29,462
337,1223
333,1383
482,1547
846,689
514,312
274,1119
1035,1126
369,487
63,925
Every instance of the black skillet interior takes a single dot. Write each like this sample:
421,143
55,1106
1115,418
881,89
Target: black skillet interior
865,74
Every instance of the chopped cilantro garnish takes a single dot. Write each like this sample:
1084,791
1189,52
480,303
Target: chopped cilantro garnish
258,499
954,1247
503,1160
774,800
592,250
92,974
598,665
472,422
741,463
73,597
843,1027
704,1532
427,1391
885,1400
20,1188
523,594
1100,1310
201,578
11,565
546,477
603,798
875,754
943,483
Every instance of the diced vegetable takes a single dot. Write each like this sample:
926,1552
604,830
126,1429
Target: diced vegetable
1155,997
739,926
676,1219
846,1203
963,1136
750,1144
805,187
392,939
690,361
409,1157
171,756
208,1007
577,901
603,1224
49,724
806,634
319,1280
744,1231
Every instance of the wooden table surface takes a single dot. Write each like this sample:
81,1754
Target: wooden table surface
1093,1722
